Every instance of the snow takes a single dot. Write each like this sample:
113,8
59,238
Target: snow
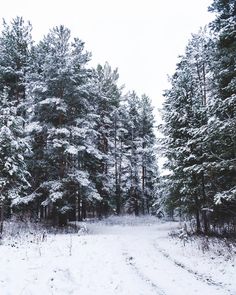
72,150
80,176
50,100
32,127
131,255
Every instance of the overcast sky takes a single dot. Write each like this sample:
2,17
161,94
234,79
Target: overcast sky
143,38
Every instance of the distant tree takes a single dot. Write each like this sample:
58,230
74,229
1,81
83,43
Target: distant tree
141,169
149,169
108,99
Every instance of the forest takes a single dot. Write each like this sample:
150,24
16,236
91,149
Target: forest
75,145
199,116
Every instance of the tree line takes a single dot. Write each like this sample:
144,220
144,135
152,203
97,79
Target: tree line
72,143
199,117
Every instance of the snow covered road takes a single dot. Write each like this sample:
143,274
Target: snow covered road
122,259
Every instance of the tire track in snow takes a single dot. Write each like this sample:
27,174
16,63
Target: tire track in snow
201,277
130,261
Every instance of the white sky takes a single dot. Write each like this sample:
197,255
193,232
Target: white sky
143,38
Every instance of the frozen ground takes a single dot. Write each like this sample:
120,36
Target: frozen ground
129,256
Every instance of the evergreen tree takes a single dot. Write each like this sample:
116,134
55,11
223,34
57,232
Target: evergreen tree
149,170
15,52
133,154
141,168
108,123
87,150
199,115
15,45
222,108
186,130
61,128
13,148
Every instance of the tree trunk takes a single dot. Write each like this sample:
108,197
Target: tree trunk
116,175
204,212
198,224
77,208
84,212
1,220
144,201
120,174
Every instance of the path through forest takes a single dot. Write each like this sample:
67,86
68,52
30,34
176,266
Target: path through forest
124,258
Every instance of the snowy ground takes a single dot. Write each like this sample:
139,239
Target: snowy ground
129,256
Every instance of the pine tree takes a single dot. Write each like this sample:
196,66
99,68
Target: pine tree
13,148
62,126
15,54
141,168
222,109
133,155
185,114
149,173
15,45
177,114
199,115
108,99
86,148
